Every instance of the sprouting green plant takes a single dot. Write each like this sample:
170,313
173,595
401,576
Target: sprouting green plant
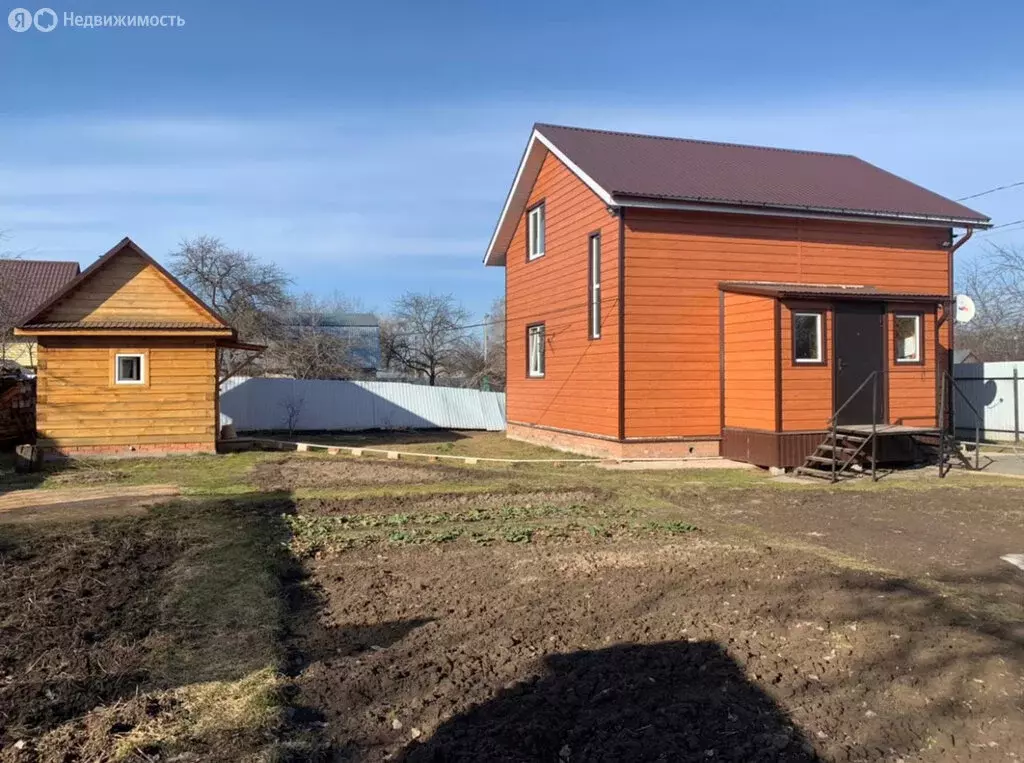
675,528
518,534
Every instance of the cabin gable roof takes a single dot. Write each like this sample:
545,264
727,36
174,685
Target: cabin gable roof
125,289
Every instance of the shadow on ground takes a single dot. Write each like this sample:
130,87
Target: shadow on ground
676,700
11,480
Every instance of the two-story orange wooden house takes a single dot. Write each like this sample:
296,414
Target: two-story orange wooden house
669,297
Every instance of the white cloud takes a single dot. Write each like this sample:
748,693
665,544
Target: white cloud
401,189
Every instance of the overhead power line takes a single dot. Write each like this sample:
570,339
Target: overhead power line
991,190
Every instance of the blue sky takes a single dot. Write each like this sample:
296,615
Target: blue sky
368,147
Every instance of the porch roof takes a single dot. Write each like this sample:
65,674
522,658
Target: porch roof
828,291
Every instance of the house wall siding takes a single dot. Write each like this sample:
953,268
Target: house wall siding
580,389
78,405
806,389
674,262
749,361
912,386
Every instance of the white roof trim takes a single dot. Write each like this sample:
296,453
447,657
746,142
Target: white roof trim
519,193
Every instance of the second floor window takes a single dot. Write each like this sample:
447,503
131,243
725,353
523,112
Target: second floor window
595,286
535,232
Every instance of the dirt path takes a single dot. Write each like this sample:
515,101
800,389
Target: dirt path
80,503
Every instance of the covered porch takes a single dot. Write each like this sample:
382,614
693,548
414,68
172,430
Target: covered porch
800,362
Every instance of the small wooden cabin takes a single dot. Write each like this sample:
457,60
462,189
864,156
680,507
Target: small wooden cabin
127,361
671,297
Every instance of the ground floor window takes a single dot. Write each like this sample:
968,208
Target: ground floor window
908,338
130,368
808,344
535,350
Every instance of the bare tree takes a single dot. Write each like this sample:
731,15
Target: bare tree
996,284
496,344
479,360
429,333
391,339
247,292
311,346
292,405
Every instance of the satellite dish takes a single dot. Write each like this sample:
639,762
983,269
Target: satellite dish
965,309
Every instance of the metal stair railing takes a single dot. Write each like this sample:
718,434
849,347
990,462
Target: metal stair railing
947,426
833,425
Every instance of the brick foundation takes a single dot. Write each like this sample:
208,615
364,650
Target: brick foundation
113,451
572,442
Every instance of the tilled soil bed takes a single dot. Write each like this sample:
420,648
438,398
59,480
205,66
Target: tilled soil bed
450,503
76,606
648,650
317,472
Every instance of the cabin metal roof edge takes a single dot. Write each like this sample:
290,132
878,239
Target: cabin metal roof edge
32,321
540,144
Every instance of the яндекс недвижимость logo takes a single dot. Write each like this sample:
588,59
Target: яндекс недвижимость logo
22,19
46,20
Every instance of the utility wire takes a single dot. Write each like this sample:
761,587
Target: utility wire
995,228
992,190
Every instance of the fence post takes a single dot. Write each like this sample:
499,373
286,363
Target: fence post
1016,406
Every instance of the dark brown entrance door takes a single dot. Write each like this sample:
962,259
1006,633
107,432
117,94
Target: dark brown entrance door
859,350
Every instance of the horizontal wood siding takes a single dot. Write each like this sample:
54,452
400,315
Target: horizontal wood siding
77,403
127,288
912,387
674,261
806,389
579,391
749,362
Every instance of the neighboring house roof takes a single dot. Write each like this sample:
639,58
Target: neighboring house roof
32,283
625,169
36,320
829,291
349,320
964,356
360,330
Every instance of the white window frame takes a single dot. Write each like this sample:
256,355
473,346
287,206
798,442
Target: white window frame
142,368
819,320
536,338
535,231
594,245
917,337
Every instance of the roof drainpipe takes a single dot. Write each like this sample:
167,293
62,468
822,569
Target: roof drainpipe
950,309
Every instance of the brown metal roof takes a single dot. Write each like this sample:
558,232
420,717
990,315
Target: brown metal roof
140,325
630,166
827,291
25,285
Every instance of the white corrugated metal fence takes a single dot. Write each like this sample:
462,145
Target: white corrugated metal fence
252,404
996,391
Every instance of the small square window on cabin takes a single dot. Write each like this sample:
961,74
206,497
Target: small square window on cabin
908,338
807,338
129,369
535,232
